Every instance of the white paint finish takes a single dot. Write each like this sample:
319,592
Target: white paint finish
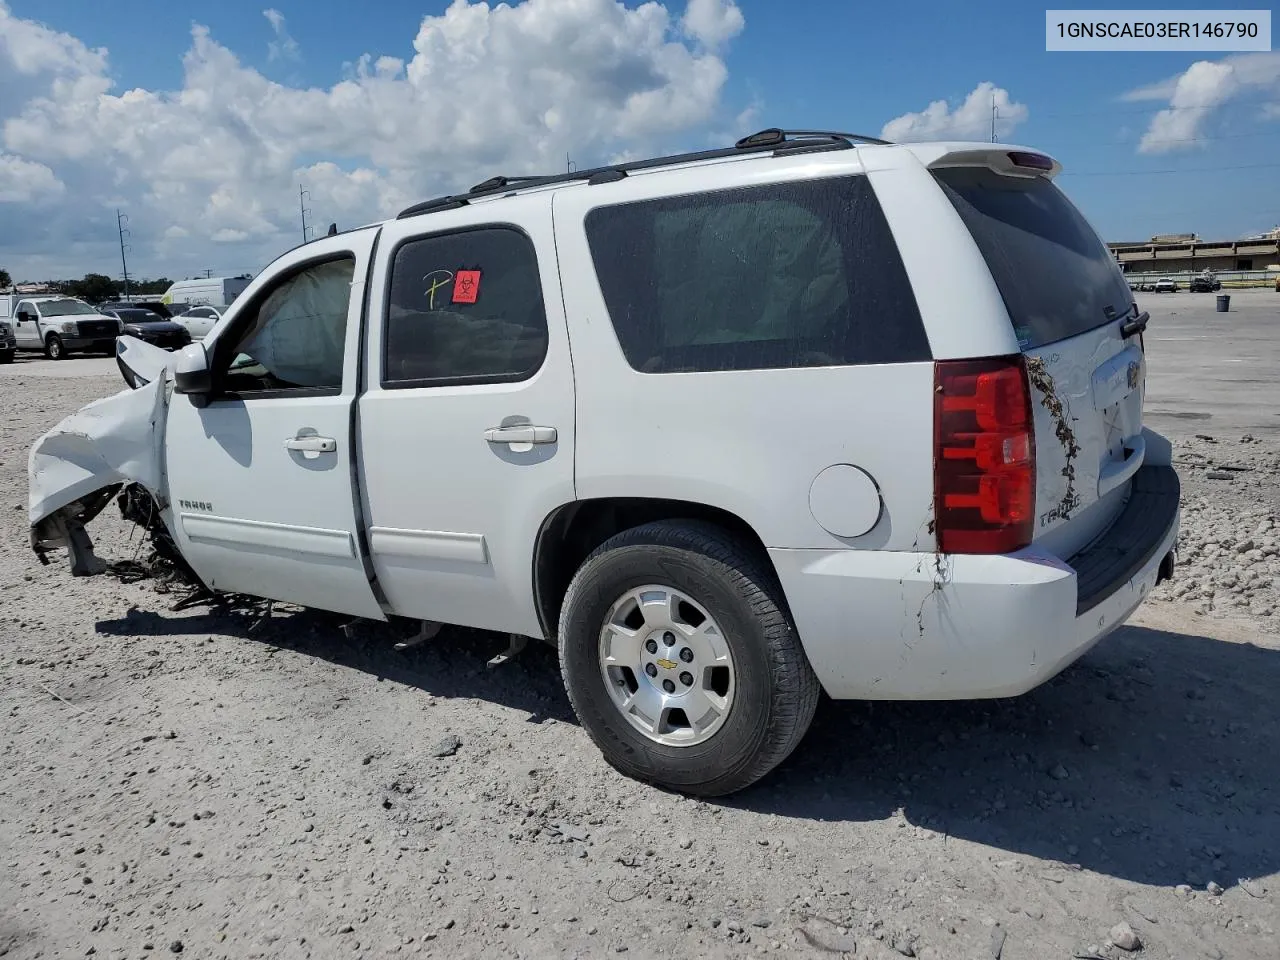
845,500
231,454
288,540
963,311
428,545
749,441
877,625
426,464
113,440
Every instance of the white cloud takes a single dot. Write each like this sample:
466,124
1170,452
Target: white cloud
505,89
283,47
712,22
969,121
1197,93
22,181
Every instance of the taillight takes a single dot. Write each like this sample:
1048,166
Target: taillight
984,464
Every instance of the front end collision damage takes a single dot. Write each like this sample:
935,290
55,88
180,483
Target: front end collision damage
77,467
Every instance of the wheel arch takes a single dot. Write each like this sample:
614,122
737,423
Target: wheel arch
573,530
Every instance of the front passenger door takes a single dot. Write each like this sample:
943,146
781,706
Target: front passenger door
260,477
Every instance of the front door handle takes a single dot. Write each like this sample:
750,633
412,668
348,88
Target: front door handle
312,444
521,433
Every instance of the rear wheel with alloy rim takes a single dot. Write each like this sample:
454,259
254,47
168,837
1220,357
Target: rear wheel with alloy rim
681,661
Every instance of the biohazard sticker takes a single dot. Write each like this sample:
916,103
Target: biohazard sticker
466,286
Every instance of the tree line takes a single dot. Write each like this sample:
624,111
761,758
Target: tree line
96,287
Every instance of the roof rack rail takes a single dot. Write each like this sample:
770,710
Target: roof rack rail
774,139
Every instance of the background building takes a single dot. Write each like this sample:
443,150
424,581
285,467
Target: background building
1177,253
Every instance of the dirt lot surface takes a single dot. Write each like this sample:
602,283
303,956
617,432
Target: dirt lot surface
218,786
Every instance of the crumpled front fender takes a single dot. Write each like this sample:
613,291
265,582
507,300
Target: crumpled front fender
113,441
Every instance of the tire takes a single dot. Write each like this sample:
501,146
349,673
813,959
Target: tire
53,348
774,691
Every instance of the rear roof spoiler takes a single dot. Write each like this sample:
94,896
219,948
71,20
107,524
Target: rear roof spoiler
1004,159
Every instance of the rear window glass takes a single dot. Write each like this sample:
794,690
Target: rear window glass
1058,279
783,275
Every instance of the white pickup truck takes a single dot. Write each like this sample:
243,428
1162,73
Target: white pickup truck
814,412
56,326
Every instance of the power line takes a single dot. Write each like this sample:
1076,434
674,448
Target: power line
121,220
302,205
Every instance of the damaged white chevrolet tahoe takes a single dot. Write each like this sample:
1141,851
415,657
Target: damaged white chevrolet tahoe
813,413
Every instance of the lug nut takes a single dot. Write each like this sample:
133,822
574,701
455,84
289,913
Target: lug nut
650,669
651,646
686,655
669,639
686,678
668,686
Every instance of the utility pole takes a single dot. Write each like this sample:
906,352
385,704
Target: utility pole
302,205
994,113
121,229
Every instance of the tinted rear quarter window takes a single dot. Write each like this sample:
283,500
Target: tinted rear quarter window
1057,278
778,276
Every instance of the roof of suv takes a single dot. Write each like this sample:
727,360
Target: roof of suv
773,142
770,143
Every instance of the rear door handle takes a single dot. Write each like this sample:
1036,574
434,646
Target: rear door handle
521,433
312,444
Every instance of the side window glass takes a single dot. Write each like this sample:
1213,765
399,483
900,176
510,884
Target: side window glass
795,274
464,308
297,335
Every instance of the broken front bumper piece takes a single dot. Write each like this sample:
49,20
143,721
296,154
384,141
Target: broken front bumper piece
75,469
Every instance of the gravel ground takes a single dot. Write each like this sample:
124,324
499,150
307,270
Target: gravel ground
220,786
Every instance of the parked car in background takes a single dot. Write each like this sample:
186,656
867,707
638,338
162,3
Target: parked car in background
1204,283
59,325
8,343
200,320
1166,285
151,327
155,306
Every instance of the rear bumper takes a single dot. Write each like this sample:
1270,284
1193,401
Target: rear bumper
923,626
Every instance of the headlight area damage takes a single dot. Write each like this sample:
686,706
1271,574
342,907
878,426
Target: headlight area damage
113,446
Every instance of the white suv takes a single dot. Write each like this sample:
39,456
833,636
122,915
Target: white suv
812,413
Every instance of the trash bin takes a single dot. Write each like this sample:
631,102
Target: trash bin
1224,302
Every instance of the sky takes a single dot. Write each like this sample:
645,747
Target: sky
199,122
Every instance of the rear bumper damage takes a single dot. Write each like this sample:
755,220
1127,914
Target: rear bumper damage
75,469
924,626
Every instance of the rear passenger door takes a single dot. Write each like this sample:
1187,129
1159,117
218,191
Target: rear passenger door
466,424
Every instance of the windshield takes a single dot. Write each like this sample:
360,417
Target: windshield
138,316
1057,277
65,308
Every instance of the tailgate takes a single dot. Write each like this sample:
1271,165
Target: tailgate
1070,307
1087,395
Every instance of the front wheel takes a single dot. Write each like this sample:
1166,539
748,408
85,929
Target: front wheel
54,348
681,661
